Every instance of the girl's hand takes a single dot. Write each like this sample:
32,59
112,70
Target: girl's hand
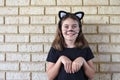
67,63
77,64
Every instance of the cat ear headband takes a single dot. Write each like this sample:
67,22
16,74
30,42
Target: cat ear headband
79,15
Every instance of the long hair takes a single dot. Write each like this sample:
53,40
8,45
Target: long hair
59,42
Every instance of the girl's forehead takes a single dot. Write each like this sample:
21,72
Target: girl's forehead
70,21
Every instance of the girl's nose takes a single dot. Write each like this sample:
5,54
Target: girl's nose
70,28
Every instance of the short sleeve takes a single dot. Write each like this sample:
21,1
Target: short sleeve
89,54
52,55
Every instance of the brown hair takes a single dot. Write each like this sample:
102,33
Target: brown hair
59,42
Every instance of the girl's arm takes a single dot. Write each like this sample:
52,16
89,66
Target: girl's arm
89,68
53,68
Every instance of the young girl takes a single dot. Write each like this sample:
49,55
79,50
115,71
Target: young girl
70,57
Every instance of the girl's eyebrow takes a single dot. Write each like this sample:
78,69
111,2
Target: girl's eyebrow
68,24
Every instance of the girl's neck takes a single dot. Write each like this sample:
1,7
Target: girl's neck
70,44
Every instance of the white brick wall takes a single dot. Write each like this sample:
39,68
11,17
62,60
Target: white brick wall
2,56
8,10
16,20
1,20
17,57
36,66
17,2
31,10
1,2
8,47
43,2
37,76
95,2
96,20
112,2
42,20
28,27
8,29
2,76
30,48
9,66
17,38
17,76
69,2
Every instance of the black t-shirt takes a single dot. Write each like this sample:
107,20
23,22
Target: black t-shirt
71,53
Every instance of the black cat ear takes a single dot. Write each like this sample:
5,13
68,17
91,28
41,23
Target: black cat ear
79,15
62,14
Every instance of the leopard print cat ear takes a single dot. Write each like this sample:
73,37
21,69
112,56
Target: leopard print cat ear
79,15
62,14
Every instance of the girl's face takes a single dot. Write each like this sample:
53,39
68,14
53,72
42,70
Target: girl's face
70,29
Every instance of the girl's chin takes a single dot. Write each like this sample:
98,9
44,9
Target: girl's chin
70,39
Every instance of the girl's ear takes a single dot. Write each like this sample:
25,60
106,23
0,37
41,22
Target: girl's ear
79,15
62,14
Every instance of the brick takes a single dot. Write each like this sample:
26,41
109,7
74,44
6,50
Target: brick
39,57
114,2
8,47
96,76
8,29
30,48
2,56
8,11
95,2
115,58
109,29
110,67
89,29
96,66
116,76
17,38
32,66
42,19
50,28
1,20
102,76
115,38
16,20
1,38
108,10
93,10
1,2
93,47
69,2
17,2
42,38
9,66
30,29
47,47
2,75
17,57
37,76
97,38
43,2
109,48
31,10
55,10
102,58
105,76
96,20
114,20
17,76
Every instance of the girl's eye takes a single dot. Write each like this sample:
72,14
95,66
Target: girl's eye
66,27
74,27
